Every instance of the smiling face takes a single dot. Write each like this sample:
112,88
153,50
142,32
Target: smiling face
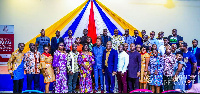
132,47
116,32
46,49
32,46
78,40
85,32
98,42
21,46
61,46
42,33
155,53
108,45
125,46
143,50
126,32
105,32
136,32
70,32
74,47
194,43
85,48
120,48
152,34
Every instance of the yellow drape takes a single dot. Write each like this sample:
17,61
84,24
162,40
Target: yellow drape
59,25
119,20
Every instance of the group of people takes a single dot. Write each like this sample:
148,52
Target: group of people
122,62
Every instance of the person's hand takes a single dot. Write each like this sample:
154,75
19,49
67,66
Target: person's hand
71,72
145,73
122,74
138,74
58,70
11,74
114,73
156,72
173,79
103,70
192,77
46,74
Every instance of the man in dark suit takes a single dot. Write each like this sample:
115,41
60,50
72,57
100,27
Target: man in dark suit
174,38
136,38
109,66
105,38
196,51
55,41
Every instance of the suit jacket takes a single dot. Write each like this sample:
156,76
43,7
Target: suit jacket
112,60
179,38
54,44
197,54
104,42
138,40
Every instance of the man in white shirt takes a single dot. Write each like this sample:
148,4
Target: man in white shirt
123,61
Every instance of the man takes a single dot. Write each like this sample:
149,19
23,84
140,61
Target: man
153,40
128,39
123,60
109,66
55,41
84,37
143,33
16,68
31,66
174,38
41,41
72,68
116,40
134,68
160,46
138,48
160,39
69,40
105,38
98,55
126,47
147,43
136,38
169,61
196,51
191,65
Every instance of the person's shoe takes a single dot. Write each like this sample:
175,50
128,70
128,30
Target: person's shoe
95,91
74,92
102,91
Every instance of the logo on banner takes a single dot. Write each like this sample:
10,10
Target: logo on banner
6,43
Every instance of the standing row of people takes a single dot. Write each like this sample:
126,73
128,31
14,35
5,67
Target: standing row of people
137,62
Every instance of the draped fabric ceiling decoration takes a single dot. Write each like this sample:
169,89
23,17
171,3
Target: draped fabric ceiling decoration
91,15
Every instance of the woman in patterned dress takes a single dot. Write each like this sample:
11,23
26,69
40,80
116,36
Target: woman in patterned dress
47,68
144,67
156,71
60,62
85,60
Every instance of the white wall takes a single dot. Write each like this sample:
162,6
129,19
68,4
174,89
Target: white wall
30,16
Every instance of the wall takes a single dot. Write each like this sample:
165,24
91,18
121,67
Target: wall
30,16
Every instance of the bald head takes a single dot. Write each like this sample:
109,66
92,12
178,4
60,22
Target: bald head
108,45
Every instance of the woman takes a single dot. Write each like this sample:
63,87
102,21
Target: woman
59,63
144,67
79,46
47,68
85,60
156,71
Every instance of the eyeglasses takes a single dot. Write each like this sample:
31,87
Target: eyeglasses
61,45
46,49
